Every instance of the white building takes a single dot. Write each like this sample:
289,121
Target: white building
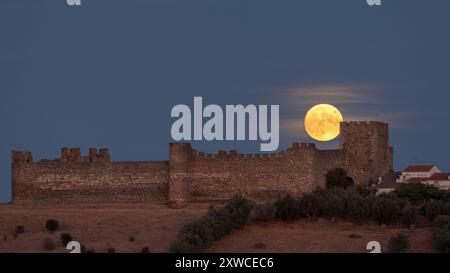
427,174
418,171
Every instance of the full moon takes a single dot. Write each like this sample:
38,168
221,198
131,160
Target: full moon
322,122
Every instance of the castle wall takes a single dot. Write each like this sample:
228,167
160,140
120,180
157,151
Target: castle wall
60,181
326,160
190,175
260,176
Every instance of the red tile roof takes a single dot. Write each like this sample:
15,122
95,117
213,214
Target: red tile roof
440,176
419,168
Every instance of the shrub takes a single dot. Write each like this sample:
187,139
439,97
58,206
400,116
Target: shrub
442,221
20,230
441,233
398,243
183,245
287,208
434,208
337,178
437,194
311,204
351,203
111,250
199,234
219,221
348,196
333,204
145,250
417,193
239,209
264,212
358,208
48,244
131,238
385,210
66,238
445,195
52,225
410,215
441,240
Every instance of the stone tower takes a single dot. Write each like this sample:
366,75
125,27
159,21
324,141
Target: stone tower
366,150
180,155
19,160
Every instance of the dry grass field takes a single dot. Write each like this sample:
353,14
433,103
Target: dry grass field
103,226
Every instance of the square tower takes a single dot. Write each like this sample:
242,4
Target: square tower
366,150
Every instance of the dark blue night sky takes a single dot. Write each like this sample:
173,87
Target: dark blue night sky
107,74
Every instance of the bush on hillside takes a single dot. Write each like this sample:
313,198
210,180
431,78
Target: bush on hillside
434,208
111,250
386,210
417,193
199,234
264,212
441,221
410,215
239,209
333,205
52,225
398,243
359,208
310,204
337,178
441,240
20,230
287,208
441,233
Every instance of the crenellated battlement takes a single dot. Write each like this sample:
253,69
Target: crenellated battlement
101,155
234,154
21,156
67,155
74,155
180,146
70,154
363,125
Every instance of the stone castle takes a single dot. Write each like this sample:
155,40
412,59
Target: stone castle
190,175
